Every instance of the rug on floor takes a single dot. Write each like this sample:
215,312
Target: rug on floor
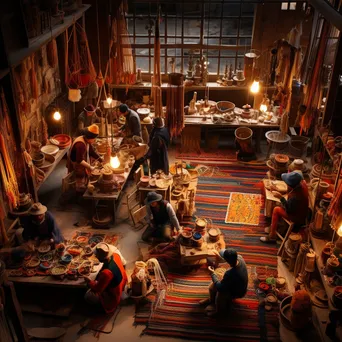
180,315
243,209
222,155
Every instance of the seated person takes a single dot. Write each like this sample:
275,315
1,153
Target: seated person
105,292
164,219
40,225
295,208
233,285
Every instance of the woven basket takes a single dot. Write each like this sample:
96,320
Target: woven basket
243,133
298,145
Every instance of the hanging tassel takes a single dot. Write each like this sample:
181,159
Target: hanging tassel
52,53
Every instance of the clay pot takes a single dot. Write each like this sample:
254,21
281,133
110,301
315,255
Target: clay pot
201,224
214,234
38,159
326,253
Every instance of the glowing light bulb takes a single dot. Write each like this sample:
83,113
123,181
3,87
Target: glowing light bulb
114,162
109,100
263,108
255,87
57,115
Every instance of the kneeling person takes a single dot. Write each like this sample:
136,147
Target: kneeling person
106,290
233,285
163,221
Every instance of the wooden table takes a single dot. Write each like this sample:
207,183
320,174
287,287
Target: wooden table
208,124
193,255
49,280
165,192
112,197
270,200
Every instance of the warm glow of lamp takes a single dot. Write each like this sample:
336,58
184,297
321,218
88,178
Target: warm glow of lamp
57,115
255,87
263,108
109,100
339,241
114,161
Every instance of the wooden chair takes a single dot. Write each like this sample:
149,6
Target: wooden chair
284,238
136,211
138,174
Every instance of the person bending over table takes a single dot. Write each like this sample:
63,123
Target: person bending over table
40,225
87,117
295,208
233,285
105,292
132,126
79,156
163,221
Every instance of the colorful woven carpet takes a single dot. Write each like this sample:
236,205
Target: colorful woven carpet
243,209
180,315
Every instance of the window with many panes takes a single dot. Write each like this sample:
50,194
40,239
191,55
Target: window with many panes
220,30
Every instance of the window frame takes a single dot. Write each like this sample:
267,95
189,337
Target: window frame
204,17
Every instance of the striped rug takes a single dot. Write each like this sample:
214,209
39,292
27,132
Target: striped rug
180,315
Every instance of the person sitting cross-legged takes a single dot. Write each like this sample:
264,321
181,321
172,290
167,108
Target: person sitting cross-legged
233,284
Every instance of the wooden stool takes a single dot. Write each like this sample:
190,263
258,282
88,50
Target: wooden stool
282,238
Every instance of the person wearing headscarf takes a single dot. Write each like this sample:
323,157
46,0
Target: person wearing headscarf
132,126
87,118
79,156
233,285
161,219
105,291
295,208
41,225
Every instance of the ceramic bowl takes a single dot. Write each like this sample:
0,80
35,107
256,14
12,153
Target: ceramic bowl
50,149
66,258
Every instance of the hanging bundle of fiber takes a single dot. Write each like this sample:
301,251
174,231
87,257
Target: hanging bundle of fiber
311,99
121,64
33,78
52,53
9,179
284,124
156,81
88,72
175,108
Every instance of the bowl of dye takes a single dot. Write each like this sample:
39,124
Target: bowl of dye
66,258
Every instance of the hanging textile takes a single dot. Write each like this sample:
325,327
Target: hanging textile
156,81
9,179
121,64
311,99
79,68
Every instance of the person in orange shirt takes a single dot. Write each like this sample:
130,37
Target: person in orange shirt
105,291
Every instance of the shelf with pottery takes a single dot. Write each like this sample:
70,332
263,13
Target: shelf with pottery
59,156
318,246
210,85
324,142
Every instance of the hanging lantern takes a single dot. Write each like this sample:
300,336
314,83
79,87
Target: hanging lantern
114,161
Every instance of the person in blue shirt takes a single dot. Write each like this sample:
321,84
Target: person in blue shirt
233,284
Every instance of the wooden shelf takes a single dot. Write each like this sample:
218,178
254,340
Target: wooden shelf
318,246
59,156
16,57
211,85
331,156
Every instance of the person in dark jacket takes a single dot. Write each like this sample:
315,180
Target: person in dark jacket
132,126
158,145
161,219
295,208
233,284
105,291
41,225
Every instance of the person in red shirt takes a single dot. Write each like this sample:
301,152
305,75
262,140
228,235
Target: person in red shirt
105,291
79,156
295,208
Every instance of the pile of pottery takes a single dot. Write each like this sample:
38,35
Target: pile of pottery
278,164
298,164
246,111
107,183
25,202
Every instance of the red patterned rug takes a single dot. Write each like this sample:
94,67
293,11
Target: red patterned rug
180,315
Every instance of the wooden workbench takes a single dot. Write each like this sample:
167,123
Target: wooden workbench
112,197
270,200
195,124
